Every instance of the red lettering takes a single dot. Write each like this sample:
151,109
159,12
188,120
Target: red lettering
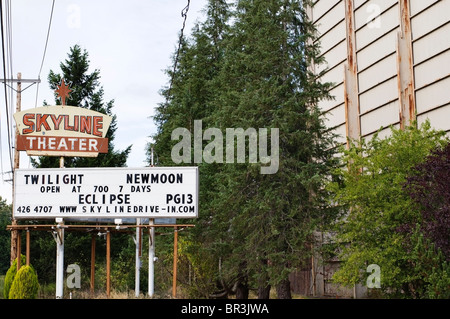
76,121
98,124
85,124
56,120
27,122
41,119
67,127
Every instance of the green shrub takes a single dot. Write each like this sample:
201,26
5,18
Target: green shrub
25,284
10,274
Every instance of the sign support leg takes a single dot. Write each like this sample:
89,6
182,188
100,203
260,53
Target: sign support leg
60,252
108,263
59,238
92,264
138,259
151,260
28,247
19,249
175,261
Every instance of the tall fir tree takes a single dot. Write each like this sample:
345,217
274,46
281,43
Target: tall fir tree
266,82
254,73
5,235
87,93
188,97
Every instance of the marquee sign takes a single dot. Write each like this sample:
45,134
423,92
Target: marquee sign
62,130
149,192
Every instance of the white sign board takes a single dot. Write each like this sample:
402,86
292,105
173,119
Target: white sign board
150,192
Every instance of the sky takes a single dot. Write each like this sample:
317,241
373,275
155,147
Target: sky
131,42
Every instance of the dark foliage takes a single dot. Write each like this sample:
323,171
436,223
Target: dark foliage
429,187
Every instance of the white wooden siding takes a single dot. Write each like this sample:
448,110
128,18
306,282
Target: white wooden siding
377,61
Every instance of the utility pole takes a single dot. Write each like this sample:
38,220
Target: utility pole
14,232
19,81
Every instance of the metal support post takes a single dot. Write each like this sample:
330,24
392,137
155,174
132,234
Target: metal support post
151,260
138,242
92,264
175,261
58,234
108,263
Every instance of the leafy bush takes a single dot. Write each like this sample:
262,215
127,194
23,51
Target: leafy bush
428,187
430,277
10,275
25,284
376,207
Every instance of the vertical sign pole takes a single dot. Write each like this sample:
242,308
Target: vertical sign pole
151,251
151,259
92,264
175,261
108,263
59,258
19,249
28,247
60,255
138,259
63,92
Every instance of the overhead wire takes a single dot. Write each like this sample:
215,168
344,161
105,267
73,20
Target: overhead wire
45,51
9,62
184,13
4,82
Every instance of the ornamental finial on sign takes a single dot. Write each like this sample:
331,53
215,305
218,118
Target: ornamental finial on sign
63,91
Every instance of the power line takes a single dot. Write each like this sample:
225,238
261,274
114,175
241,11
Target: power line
184,15
4,74
45,51
9,62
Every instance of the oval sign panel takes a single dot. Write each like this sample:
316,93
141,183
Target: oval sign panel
62,130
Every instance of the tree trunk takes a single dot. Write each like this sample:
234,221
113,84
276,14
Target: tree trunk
284,289
264,292
242,282
263,281
242,290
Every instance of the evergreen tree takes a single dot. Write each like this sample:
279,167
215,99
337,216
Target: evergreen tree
5,235
190,97
86,93
256,74
266,83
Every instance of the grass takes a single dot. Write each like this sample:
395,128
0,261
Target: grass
2,283
48,292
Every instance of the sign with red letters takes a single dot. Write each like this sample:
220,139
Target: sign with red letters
62,130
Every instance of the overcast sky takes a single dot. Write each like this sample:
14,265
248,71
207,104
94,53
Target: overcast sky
131,43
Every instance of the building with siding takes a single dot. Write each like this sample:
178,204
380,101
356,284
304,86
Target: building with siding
389,61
